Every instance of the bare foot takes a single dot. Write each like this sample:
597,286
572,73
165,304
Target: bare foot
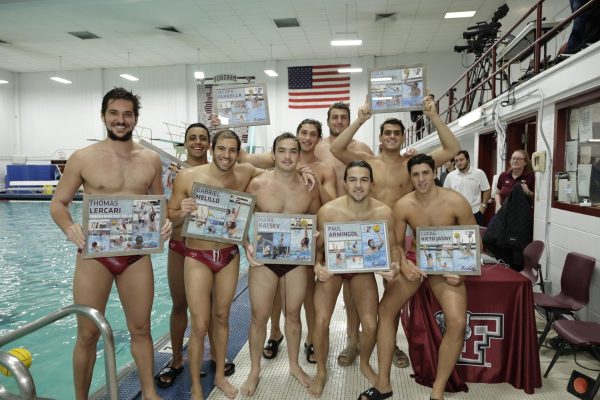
197,394
302,377
249,387
230,391
316,387
368,372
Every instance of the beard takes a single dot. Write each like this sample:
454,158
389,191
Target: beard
125,138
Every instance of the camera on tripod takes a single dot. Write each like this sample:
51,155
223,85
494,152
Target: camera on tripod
483,34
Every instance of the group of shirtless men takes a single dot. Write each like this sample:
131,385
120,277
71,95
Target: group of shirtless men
337,178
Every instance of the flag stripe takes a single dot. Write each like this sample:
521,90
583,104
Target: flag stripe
323,92
317,86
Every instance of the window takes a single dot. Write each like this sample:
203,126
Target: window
577,155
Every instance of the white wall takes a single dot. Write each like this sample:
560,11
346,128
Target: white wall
54,117
8,119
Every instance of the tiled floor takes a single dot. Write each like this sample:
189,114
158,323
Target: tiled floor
347,382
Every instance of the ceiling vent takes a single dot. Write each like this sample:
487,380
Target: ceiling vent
286,22
84,35
170,29
386,17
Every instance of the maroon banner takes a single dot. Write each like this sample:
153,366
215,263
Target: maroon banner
500,339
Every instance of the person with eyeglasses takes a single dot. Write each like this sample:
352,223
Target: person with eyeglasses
520,172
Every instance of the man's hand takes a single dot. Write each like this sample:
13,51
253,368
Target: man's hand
74,233
188,205
392,273
167,229
411,272
322,273
250,253
214,121
309,177
454,280
364,113
409,153
429,106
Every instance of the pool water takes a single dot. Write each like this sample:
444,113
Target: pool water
37,264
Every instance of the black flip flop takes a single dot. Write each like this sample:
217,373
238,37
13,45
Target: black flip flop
229,368
374,394
273,347
168,372
309,350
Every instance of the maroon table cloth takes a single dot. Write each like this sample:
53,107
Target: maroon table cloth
501,338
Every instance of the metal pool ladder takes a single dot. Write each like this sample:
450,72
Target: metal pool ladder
22,375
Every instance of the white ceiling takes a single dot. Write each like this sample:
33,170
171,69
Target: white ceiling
222,30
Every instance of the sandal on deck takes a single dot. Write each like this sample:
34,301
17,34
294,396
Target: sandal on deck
229,367
273,347
168,372
348,355
374,394
309,351
400,358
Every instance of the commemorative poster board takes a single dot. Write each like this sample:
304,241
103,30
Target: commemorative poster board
449,250
170,167
394,89
241,104
222,215
284,238
357,246
122,225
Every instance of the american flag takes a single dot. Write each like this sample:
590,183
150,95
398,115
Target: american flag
317,86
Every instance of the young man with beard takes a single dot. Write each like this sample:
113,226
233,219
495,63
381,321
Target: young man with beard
427,205
471,182
131,169
278,191
356,205
211,268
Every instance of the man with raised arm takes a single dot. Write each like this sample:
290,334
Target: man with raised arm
356,205
389,167
211,268
278,191
427,205
130,169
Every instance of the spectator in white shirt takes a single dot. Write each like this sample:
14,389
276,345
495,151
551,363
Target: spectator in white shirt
471,183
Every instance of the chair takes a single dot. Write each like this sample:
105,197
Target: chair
531,263
575,282
578,334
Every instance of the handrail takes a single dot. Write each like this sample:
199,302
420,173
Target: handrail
21,374
490,79
110,364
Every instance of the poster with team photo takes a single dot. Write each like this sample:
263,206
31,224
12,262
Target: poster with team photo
358,246
449,250
170,166
241,104
221,215
122,225
393,89
284,238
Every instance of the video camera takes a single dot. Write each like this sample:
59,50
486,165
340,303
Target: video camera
482,34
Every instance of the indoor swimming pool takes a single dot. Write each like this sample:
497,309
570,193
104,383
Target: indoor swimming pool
37,265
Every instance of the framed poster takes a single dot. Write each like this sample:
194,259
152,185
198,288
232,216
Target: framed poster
400,88
357,246
222,215
449,250
122,225
170,167
284,238
241,105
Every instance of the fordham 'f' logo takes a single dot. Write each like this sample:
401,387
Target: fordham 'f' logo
481,329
